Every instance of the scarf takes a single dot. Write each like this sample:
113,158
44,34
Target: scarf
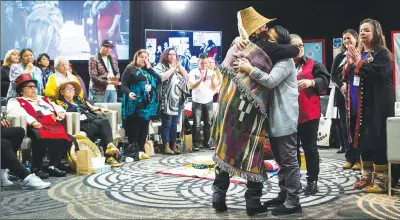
172,91
46,74
60,78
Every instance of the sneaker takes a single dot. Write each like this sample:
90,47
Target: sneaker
208,147
112,162
56,172
348,165
143,155
282,210
41,174
112,149
196,147
356,166
4,178
34,182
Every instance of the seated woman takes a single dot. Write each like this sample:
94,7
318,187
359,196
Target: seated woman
44,128
68,97
11,139
61,75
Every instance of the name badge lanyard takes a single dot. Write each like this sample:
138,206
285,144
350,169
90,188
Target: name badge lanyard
147,86
356,78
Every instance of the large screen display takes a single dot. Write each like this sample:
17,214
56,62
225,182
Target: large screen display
188,45
74,29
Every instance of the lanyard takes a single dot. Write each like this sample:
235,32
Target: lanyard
205,76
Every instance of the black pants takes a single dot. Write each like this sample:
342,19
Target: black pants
379,157
307,133
137,129
98,128
221,185
57,149
11,139
352,154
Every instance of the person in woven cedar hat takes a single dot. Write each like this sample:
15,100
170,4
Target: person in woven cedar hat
239,133
67,96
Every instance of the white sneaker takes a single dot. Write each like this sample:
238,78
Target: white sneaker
4,178
34,182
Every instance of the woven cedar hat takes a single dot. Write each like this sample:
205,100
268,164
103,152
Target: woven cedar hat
62,86
251,20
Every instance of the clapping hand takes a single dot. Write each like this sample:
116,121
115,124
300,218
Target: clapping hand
353,53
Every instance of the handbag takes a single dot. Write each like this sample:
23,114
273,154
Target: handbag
324,131
149,147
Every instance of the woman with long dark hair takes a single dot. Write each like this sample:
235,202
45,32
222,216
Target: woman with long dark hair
140,100
368,72
43,62
172,96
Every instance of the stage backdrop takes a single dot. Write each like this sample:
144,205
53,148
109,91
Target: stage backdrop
396,69
315,49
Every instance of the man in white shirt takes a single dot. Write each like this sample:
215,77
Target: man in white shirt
202,82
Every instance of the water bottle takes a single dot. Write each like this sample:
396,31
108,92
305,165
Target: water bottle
27,166
121,153
181,146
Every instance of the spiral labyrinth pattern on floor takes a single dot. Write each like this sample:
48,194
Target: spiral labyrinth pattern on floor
138,184
136,191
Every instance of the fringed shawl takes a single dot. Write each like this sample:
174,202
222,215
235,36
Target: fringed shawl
239,130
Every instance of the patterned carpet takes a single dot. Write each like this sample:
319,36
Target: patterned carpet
135,191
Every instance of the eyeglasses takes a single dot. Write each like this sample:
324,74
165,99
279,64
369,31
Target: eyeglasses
299,45
30,86
70,88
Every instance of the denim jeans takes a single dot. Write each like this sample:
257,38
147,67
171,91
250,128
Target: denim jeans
170,126
199,110
110,96
97,99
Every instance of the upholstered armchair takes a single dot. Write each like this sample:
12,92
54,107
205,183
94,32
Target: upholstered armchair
73,127
393,139
114,117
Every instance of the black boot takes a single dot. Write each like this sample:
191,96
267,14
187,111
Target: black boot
282,210
220,206
273,202
258,210
311,188
132,151
341,150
